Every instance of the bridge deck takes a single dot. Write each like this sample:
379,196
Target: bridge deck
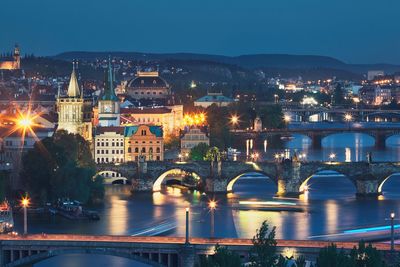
179,240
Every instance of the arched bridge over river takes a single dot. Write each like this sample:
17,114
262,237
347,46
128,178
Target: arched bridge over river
290,177
154,251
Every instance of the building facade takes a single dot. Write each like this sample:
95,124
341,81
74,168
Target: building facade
170,118
13,62
193,136
109,145
147,85
213,98
74,111
144,141
109,106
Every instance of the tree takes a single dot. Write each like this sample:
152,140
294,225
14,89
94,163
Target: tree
61,167
272,116
366,256
223,257
213,154
199,152
330,256
263,252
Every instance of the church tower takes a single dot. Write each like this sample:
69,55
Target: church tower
17,58
75,111
109,109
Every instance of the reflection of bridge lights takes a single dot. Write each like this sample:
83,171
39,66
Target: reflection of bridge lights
212,205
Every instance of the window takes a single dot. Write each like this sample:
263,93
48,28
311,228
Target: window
102,151
113,151
158,150
102,143
121,151
106,143
98,143
150,150
144,132
158,157
112,144
98,151
143,150
129,150
136,150
122,144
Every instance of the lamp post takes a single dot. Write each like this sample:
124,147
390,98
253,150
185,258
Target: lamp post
212,205
392,215
287,120
25,204
348,118
234,121
332,156
187,227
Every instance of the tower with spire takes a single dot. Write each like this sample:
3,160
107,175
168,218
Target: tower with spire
109,107
74,110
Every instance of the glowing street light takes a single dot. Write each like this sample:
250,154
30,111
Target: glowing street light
348,117
392,215
287,118
254,156
25,122
332,156
25,203
212,205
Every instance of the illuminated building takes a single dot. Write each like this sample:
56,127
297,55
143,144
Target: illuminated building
144,141
192,136
213,98
108,111
147,85
372,74
375,95
11,63
109,145
75,111
170,117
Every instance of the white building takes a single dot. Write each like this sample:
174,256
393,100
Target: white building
109,145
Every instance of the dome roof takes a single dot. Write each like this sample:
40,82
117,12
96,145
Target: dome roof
147,82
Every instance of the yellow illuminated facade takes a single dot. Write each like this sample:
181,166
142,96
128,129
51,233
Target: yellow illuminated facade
13,63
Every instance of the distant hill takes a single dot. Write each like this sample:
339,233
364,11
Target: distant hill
259,61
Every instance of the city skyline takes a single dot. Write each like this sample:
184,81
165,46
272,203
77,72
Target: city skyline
340,30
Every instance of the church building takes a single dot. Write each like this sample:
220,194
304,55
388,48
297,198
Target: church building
109,106
74,110
13,62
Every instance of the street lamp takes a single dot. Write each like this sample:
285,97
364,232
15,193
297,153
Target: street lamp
212,205
234,121
254,156
332,156
180,157
287,120
348,118
392,215
276,98
25,203
187,227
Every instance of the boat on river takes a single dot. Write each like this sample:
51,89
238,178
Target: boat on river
73,210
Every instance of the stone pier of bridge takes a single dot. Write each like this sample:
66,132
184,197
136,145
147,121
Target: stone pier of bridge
289,176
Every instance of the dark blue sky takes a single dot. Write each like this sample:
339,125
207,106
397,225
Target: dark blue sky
356,31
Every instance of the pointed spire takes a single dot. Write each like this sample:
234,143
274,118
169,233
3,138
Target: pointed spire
73,87
109,93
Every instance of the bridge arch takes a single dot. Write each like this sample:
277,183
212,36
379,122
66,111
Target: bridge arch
174,171
112,177
234,179
35,258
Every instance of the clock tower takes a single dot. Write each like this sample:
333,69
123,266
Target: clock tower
109,114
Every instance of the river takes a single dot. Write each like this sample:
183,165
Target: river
330,206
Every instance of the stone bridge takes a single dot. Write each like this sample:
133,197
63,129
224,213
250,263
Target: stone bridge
317,131
154,251
290,177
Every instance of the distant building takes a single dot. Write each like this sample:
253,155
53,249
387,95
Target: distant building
75,111
193,136
144,141
109,145
13,62
372,74
213,98
375,95
109,106
169,117
147,85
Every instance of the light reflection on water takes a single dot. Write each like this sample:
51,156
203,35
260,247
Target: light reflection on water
330,204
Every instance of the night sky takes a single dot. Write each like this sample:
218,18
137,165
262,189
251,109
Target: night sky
356,31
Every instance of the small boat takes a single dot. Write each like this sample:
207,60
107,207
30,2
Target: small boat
73,210
268,206
6,218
